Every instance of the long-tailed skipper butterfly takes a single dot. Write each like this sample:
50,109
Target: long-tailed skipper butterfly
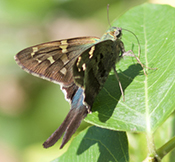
81,66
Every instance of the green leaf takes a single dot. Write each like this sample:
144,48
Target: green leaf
97,144
149,100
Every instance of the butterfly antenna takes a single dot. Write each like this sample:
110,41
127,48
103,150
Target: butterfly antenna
108,15
139,50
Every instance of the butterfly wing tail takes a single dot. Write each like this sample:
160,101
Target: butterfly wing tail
58,133
72,121
74,124
69,126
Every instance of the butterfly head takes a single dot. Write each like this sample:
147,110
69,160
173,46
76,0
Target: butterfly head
113,33
117,32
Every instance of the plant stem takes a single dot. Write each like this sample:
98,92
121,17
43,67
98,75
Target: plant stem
166,148
152,154
150,144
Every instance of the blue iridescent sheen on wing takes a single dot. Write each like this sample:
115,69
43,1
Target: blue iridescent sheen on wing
72,121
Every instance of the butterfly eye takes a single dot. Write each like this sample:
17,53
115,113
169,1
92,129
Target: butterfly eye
118,33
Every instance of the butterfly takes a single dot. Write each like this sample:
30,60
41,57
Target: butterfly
81,66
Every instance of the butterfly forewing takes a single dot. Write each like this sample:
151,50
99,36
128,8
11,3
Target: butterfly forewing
54,60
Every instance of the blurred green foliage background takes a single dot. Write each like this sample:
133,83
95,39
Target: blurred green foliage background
32,108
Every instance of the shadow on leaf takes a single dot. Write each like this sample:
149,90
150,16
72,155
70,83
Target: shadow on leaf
112,145
107,99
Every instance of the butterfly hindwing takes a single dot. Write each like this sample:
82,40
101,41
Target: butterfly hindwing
72,121
92,67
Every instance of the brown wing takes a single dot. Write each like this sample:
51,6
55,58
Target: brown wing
53,61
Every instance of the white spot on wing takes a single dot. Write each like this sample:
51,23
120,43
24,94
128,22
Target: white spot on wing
91,51
79,59
65,59
35,49
84,67
63,46
38,60
63,71
51,59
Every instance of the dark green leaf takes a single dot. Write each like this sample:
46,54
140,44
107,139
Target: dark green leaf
97,144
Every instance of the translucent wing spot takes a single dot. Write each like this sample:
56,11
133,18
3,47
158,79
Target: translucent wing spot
38,60
79,59
35,49
51,59
84,67
64,42
91,51
65,59
63,71
77,77
64,50
63,46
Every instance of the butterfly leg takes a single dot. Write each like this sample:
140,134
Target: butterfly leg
120,85
131,54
